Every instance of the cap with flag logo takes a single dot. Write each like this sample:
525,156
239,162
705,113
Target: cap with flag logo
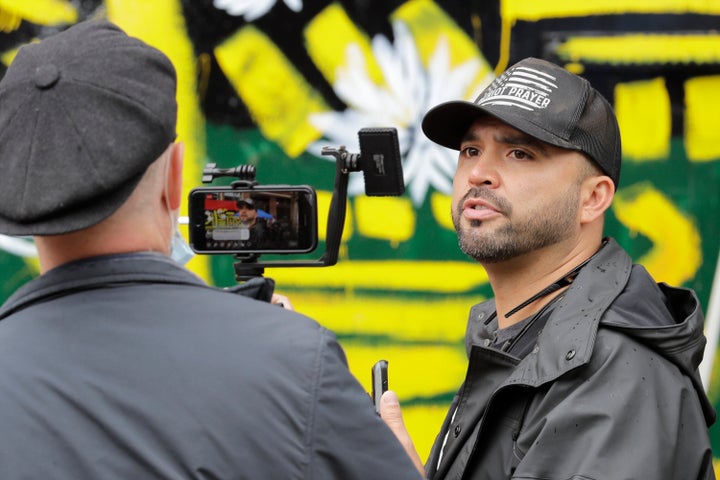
542,100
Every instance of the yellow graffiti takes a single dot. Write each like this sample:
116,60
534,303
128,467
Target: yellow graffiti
8,56
530,10
639,49
441,206
330,56
714,386
702,104
40,12
406,276
9,21
323,202
644,114
386,218
440,318
277,95
446,365
428,24
423,342
167,33
676,254
422,371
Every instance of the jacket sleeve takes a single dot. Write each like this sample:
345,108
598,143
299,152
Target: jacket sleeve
629,413
346,438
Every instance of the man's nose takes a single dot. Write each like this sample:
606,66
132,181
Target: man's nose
484,170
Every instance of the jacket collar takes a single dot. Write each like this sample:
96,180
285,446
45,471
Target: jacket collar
572,324
96,272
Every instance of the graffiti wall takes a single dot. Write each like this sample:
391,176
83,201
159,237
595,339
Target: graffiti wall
268,83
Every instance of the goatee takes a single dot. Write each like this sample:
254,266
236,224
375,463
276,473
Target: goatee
541,226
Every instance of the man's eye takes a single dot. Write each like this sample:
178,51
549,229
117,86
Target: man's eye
520,155
469,152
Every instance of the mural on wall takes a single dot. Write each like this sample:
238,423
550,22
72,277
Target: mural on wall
269,83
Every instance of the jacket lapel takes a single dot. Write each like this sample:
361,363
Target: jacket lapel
488,369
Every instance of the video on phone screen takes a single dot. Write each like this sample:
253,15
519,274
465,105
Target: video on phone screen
256,221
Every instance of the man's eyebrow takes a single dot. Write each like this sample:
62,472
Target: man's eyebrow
520,140
470,136
514,139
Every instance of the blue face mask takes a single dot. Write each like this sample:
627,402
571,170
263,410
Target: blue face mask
180,251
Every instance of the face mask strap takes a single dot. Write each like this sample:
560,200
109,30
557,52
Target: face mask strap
179,249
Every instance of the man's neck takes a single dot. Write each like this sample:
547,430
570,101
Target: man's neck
57,250
518,280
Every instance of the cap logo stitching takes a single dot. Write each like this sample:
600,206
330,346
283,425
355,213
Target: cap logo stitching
521,87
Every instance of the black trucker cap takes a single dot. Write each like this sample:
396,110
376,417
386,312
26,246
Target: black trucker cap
544,101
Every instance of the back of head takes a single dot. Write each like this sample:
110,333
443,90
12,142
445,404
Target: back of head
83,114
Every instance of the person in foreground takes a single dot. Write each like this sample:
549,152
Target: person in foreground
582,366
116,362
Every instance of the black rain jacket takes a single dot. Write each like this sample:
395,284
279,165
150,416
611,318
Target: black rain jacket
610,391
130,367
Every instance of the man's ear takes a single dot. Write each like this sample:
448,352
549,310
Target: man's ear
596,196
174,179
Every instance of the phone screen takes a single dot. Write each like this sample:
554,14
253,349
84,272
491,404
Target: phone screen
264,219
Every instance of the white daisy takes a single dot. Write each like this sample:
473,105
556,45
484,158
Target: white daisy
253,9
21,247
409,91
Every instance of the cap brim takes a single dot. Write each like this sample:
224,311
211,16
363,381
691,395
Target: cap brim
78,217
448,123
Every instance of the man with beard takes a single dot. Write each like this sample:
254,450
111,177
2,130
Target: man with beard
257,228
582,366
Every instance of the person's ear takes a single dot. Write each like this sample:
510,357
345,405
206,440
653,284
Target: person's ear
596,196
174,179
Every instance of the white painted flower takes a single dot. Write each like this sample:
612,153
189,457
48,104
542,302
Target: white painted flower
253,9
21,247
409,91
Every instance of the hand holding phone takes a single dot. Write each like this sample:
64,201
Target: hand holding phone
379,382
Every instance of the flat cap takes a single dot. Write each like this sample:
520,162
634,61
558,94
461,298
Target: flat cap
83,113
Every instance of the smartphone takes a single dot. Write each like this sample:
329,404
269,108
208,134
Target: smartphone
263,219
379,382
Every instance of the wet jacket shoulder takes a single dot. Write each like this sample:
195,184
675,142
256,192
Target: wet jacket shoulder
610,391
131,367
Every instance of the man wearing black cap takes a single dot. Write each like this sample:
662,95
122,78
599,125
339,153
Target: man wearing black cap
117,362
581,366
257,227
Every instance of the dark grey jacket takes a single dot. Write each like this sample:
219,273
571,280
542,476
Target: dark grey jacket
611,390
129,367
